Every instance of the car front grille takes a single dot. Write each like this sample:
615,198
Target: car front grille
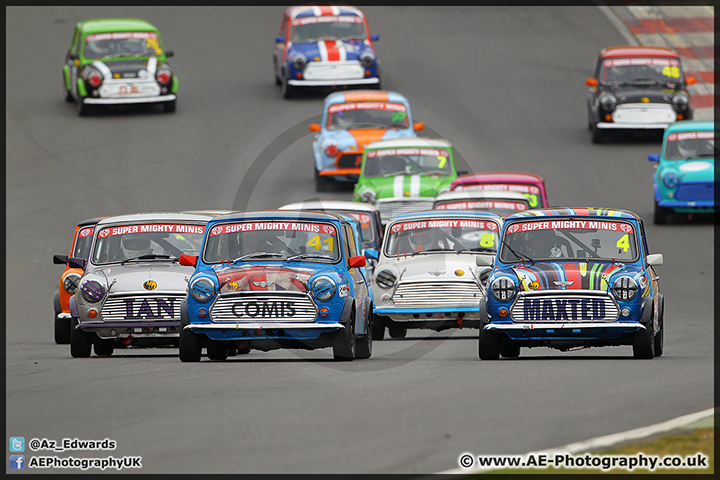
564,307
349,160
697,191
392,207
437,294
133,308
642,113
265,307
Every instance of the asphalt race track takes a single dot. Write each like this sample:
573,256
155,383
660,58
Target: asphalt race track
505,85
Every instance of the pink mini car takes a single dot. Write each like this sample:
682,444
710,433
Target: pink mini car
531,185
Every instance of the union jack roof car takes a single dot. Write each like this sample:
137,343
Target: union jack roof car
572,278
529,184
324,46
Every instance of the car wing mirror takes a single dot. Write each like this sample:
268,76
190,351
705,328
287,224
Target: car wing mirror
484,261
279,39
417,126
371,254
591,82
654,259
188,260
60,259
169,53
314,127
358,261
654,157
74,56
690,80
374,38
76,262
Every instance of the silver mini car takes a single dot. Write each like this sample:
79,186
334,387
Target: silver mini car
134,284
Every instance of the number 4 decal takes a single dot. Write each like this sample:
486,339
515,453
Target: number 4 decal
624,243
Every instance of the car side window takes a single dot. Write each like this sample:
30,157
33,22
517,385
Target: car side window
351,241
282,26
75,47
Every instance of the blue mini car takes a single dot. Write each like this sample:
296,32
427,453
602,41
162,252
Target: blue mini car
350,121
324,46
571,278
277,279
684,180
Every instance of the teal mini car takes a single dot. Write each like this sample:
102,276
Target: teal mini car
405,175
118,61
684,180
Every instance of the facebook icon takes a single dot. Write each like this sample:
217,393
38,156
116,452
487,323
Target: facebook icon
17,462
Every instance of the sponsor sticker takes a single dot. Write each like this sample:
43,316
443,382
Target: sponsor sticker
86,232
344,290
482,205
273,226
327,19
151,228
478,224
120,36
624,62
692,136
343,107
571,224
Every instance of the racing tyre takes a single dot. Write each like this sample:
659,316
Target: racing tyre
277,79
660,214
103,348
598,136
488,348
190,346
378,327
68,94
83,109
322,183
288,91
217,351
363,347
344,341
80,342
659,335
170,106
509,350
62,331
397,331
644,343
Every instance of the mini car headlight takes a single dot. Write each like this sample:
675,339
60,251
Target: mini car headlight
163,75
368,196
671,179
323,288
680,101
367,59
93,77
503,289
608,101
70,282
299,61
625,288
386,279
331,150
202,289
92,291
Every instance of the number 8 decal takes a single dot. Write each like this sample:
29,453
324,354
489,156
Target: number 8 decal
487,240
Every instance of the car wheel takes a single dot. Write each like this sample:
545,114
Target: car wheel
190,346
170,106
660,214
660,334
598,135
378,327
80,341
488,348
288,91
644,343
344,341
363,347
103,348
217,351
277,79
509,350
62,331
397,331
82,108
68,94
322,183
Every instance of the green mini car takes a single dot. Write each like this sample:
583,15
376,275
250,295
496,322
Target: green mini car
405,175
118,61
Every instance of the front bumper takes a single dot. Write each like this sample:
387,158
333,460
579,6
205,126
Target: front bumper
565,331
261,331
121,330
643,116
129,100
333,83
428,314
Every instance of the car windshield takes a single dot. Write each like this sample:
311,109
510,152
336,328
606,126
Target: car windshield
445,235
274,239
502,207
83,242
122,44
640,71
343,116
147,241
577,238
685,145
407,161
367,230
312,29
532,192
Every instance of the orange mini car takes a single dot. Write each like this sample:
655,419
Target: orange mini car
82,240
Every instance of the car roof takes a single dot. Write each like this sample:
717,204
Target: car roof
321,11
690,125
574,212
499,177
412,142
155,216
278,215
446,214
90,221
100,25
330,205
364,96
481,194
637,51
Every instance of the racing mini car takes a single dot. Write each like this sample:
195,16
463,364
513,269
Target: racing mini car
133,285
503,203
324,46
351,120
277,279
684,180
427,276
571,278
80,248
118,61
405,175
637,87
529,184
